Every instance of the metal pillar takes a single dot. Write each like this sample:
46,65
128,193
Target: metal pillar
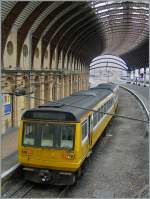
128,76
139,76
133,76
32,91
144,77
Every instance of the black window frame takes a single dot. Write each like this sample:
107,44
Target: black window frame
38,136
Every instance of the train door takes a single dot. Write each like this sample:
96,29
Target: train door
90,130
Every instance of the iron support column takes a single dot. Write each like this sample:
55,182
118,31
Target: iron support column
133,76
128,76
144,77
139,76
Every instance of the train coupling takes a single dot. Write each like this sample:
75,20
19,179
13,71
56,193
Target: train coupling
45,175
38,175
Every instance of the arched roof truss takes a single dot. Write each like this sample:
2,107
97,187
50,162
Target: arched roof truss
83,29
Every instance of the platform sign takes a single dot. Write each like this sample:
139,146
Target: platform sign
6,101
7,109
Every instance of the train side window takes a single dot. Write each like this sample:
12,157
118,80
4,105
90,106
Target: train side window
84,130
91,123
67,136
99,114
108,104
111,101
102,112
94,119
104,108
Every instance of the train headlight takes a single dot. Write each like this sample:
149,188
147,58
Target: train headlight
69,156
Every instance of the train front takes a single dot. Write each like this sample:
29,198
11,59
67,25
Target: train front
47,148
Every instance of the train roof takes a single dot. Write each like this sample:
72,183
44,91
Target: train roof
71,108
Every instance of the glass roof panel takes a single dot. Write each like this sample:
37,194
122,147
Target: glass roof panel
100,4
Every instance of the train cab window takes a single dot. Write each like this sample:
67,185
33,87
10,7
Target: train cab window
46,136
49,135
29,134
67,137
84,130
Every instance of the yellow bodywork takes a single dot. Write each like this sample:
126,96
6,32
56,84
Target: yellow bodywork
62,159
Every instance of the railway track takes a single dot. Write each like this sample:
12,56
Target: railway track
20,191
63,192
24,188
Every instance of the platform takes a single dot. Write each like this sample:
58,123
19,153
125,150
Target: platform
9,142
141,92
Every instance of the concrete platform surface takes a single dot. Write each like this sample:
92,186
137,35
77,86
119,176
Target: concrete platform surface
141,91
9,143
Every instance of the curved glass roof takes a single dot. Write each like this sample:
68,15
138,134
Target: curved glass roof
85,29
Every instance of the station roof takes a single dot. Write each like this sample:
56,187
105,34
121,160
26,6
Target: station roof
84,28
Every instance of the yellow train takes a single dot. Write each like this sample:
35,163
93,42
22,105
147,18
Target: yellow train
56,139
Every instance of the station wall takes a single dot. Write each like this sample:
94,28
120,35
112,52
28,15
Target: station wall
47,82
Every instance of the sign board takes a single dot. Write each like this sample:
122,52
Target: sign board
7,108
6,101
